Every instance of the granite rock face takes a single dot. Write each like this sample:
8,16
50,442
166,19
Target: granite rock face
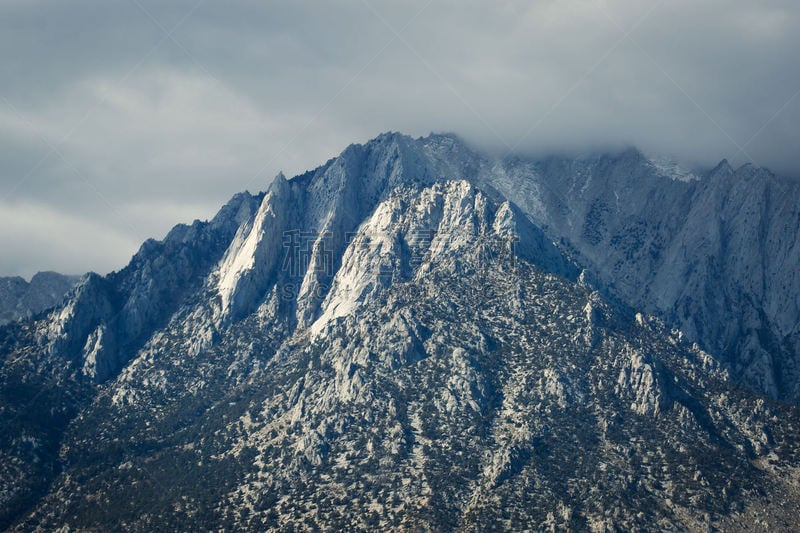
415,336
715,255
22,299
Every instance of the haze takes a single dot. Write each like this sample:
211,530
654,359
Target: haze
119,119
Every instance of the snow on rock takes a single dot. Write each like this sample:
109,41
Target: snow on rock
669,168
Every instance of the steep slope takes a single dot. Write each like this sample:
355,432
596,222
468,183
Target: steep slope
23,299
388,341
717,256
50,365
202,276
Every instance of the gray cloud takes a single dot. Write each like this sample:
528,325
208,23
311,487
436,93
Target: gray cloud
150,131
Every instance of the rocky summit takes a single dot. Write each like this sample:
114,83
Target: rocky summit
23,299
415,336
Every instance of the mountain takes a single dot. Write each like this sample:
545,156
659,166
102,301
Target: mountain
22,299
413,336
716,256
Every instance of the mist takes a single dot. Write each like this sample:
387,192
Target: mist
119,120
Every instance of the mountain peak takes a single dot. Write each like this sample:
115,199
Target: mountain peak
22,299
407,321
723,168
460,223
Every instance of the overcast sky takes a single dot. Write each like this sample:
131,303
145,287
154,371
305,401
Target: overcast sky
121,118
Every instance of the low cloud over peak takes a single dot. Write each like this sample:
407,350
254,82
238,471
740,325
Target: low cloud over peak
110,112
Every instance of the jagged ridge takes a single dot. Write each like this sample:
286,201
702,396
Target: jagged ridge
426,321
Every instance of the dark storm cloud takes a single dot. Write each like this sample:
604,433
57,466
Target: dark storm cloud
112,128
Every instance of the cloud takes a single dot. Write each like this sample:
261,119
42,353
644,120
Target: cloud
36,234
151,128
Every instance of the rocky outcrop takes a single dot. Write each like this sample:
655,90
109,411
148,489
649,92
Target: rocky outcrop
715,254
22,299
416,337
440,226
